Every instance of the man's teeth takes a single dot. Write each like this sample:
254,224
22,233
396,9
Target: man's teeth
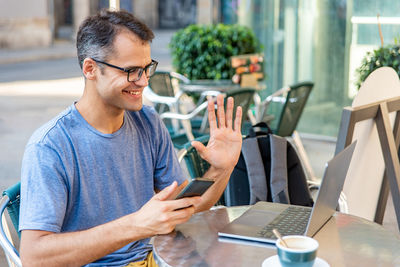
134,93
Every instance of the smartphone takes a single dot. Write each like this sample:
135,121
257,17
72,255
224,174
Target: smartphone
196,187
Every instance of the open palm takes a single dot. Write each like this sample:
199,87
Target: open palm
225,143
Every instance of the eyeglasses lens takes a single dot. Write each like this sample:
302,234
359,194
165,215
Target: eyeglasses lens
135,75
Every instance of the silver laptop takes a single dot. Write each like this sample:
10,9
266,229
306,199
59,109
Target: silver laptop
256,224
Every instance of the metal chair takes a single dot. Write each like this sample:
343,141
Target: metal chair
242,97
162,90
195,165
292,106
164,93
10,202
261,106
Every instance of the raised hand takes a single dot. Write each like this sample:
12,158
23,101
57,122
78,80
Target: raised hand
223,148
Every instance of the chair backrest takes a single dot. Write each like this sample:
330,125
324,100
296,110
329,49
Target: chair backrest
195,164
161,84
10,201
242,97
13,194
293,108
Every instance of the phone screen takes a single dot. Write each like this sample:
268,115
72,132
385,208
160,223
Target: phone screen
196,187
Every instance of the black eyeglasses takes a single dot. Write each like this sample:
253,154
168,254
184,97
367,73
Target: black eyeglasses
134,73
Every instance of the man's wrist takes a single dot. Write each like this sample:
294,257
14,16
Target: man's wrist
216,173
130,226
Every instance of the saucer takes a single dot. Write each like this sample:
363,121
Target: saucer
273,261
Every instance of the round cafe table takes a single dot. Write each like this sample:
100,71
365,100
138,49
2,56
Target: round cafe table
345,240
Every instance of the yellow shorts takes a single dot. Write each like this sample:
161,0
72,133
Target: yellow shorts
148,262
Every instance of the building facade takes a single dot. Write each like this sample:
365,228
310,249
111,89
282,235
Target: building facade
27,23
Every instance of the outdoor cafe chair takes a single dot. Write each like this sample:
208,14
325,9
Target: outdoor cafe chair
164,93
288,119
195,165
10,202
292,100
242,97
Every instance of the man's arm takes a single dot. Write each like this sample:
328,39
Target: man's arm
158,216
223,149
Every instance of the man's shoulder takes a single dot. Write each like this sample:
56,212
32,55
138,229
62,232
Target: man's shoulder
53,127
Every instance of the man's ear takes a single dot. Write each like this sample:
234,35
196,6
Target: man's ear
89,68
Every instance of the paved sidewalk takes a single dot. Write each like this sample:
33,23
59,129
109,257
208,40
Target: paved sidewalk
60,49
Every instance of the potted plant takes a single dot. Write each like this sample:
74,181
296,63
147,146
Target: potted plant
205,51
388,55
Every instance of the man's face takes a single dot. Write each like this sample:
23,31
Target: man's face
112,85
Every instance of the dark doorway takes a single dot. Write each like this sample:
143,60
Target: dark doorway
63,19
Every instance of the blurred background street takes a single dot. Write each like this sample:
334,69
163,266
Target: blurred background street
40,74
34,90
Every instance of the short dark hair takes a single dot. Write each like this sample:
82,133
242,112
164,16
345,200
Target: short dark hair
96,34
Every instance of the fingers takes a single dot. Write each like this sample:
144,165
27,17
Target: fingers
176,217
238,119
183,203
224,119
167,192
229,112
211,114
221,111
178,189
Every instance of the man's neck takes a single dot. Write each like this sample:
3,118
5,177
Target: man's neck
100,116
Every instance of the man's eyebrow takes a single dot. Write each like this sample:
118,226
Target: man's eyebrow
135,67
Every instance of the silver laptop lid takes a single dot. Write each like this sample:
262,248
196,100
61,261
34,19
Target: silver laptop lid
330,189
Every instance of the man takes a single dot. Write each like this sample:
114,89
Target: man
98,180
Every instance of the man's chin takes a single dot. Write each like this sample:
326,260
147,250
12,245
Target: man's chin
134,108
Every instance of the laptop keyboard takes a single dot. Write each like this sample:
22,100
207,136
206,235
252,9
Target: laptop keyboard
292,221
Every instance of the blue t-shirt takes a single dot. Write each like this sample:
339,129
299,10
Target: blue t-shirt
75,177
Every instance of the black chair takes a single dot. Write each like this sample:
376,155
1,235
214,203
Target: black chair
195,124
293,107
287,105
195,165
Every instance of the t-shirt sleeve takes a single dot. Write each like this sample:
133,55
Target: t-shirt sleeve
167,167
43,190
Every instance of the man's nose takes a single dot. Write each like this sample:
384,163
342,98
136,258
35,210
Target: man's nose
143,81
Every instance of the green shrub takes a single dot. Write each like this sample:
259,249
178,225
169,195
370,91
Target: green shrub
388,56
204,51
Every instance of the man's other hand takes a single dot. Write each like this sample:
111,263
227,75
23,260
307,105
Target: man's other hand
160,214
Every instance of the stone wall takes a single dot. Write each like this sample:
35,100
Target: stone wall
24,32
24,23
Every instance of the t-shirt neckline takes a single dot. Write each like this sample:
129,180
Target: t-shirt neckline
93,129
